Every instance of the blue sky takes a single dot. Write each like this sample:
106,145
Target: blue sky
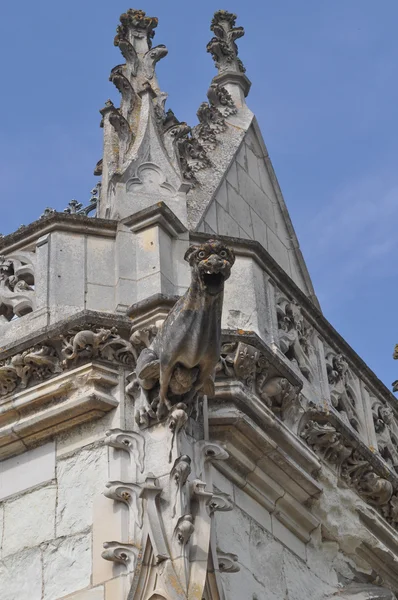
325,93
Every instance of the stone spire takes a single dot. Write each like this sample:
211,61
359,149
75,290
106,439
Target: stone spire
223,48
137,160
149,153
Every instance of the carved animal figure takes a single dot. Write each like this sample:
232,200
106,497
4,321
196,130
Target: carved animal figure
185,352
87,340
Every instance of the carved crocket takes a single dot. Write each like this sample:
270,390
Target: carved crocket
183,356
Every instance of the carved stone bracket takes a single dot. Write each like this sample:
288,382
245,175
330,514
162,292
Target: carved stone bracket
127,493
129,441
119,552
227,562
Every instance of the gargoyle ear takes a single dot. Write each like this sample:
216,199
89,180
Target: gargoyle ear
190,253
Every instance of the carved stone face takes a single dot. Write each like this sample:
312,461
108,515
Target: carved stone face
211,263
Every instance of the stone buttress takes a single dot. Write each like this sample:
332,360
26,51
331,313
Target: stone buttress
125,473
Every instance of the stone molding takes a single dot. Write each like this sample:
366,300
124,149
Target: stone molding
69,399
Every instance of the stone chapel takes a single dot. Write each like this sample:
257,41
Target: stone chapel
178,420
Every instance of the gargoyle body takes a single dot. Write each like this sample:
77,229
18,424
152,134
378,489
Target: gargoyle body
183,356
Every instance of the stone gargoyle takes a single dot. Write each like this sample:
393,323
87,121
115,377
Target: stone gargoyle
182,357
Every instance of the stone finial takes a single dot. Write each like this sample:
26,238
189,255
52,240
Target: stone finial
134,38
224,50
223,47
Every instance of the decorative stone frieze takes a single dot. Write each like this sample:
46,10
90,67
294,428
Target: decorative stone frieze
343,393
251,366
17,294
46,360
294,335
355,464
29,367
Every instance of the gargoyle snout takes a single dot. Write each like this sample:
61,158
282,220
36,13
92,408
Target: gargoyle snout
215,263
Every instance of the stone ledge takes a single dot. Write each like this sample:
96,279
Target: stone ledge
72,398
258,465
29,234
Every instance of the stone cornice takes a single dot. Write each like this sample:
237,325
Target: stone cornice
51,332
29,234
69,399
157,214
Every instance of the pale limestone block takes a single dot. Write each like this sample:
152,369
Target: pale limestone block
226,225
27,470
81,478
67,269
125,251
221,196
182,272
100,297
233,534
301,582
87,433
259,229
211,216
166,286
21,576
281,228
256,198
100,260
243,235
244,586
266,560
125,293
117,589
241,156
66,566
278,251
252,141
253,508
265,180
239,210
252,166
29,520
291,541
41,271
96,593
165,254
244,298
320,558
232,177
222,483
295,270
1,528
208,229
110,522
148,252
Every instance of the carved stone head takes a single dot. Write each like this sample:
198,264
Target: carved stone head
211,265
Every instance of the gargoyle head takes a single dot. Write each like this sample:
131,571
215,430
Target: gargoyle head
211,265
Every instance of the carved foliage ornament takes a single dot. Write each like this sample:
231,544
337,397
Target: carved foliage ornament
294,335
17,295
44,361
223,46
343,393
249,365
353,466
